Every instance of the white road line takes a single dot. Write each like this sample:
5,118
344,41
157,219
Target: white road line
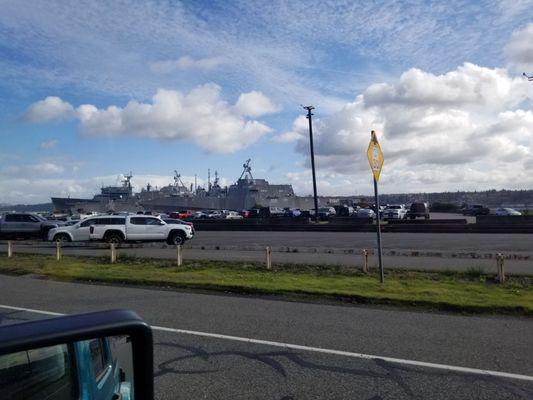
290,346
32,310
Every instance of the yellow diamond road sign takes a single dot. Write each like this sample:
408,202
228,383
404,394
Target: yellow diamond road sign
375,156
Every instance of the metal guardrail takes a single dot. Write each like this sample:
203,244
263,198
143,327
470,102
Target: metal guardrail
276,249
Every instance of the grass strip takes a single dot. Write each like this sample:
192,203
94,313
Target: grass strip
471,291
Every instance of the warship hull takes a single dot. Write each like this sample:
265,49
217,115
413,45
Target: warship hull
246,193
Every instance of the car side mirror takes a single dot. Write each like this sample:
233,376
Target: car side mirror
109,353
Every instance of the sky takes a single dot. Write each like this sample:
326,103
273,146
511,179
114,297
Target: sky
91,90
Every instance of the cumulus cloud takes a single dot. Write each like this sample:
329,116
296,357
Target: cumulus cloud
519,50
200,116
467,86
51,108
50,144
254,104
464,129
186,63
31,170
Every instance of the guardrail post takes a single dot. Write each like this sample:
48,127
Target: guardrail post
9,249
113,253
499,263
179,255
58,250
268,257
365,261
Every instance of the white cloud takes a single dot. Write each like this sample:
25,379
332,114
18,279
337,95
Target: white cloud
519,50
200,116
50,144
51,108
31,170
186,63
255,104
288,137
467,86
460,130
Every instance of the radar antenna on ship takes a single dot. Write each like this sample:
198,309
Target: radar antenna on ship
126,182
247,172
178,183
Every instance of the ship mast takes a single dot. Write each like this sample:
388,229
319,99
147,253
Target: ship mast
178,183
247,172
126,182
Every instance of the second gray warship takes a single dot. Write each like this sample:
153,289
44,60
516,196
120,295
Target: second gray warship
247,192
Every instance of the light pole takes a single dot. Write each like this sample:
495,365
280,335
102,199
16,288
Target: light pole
309,117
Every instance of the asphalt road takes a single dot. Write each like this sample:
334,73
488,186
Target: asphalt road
519,245
191,366
361,240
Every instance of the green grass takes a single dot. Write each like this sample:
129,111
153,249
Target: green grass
472,291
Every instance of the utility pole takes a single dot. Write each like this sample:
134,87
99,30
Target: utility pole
309,117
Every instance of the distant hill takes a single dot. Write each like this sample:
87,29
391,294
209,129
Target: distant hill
27,207
490,198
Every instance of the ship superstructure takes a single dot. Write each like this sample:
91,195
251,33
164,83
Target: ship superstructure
245,193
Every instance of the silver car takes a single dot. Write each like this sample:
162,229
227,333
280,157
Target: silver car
73,233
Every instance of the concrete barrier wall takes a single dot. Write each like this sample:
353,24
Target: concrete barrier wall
454,221
501,220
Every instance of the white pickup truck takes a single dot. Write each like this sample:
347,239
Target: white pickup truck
141,228
395,211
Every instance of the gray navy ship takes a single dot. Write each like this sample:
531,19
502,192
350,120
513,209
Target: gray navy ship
247,192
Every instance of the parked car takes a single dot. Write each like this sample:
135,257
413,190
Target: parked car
395,211
344,211
365,213
26,225
476,209
215,214
266,212
204,214
141,228
184,214
80,230
507,212
232,215
293,213
245,213
326,212
418,210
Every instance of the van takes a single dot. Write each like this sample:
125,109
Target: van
418,210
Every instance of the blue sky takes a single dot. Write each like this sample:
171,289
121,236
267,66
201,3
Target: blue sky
90,90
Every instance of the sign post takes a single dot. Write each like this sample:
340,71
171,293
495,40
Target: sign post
375,158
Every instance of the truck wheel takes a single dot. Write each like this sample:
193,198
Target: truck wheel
61,237
176,238
112,237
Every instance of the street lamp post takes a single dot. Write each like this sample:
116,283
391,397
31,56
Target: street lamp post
309,117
